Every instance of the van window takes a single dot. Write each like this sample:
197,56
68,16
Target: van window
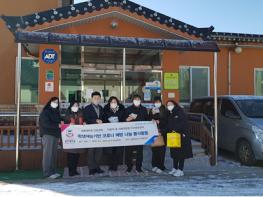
227,106
252,108
205,106
197,106
208,108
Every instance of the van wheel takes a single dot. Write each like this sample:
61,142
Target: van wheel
245,153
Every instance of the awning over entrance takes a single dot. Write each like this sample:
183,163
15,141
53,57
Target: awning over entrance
112,41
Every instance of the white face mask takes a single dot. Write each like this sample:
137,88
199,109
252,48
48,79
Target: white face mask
74,109
54,105
113,105
157,105
96,102
170,107
136,103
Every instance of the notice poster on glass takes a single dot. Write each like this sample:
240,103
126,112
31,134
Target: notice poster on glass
171,81
147,95
88,93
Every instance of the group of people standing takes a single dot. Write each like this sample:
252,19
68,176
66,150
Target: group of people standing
168,118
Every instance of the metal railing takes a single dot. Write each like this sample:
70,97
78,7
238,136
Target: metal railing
202,129
23,115
28,137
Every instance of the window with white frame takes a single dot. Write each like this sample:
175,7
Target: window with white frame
258,81
29,80
194,82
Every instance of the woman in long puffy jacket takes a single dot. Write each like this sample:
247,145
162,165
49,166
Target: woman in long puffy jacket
177,121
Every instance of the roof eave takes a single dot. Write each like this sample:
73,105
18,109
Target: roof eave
15,23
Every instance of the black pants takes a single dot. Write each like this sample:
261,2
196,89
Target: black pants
178,163
115,156
72,162
158,157
129,155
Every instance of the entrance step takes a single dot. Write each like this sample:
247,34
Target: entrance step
197,149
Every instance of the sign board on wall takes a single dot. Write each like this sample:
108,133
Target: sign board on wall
49,86
49,56
50,75
171,81
171,95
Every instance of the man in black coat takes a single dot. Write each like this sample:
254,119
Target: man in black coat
93,114
136,112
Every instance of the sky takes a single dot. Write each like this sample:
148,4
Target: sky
238,16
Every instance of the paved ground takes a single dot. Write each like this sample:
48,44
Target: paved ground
227,178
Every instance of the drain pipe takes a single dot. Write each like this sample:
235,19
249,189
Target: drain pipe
229,72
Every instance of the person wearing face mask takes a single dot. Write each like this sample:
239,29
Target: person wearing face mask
93,114
158,114
135,112
49,126
73,116
177,121
114,112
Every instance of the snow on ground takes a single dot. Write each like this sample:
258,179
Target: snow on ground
192,184
227,178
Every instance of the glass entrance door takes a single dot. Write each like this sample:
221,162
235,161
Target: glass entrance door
107,84
70,83
103,70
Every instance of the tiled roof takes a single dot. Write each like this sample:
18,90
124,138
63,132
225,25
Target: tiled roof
21,22
236,37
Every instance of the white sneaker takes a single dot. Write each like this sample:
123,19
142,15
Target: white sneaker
54,176
58,175
159,171
154,169
172,171
181,173
178,173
